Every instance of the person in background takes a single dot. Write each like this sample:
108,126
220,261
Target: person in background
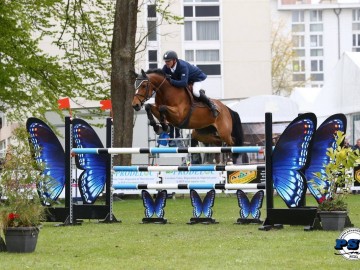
357,145
182,73
175,134
347,144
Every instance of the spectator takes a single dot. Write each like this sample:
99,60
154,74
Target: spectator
347,144
175,134
357,145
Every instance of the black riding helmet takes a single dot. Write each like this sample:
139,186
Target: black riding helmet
170,55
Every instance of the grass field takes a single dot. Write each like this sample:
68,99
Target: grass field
176,245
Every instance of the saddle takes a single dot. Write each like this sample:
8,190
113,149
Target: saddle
194,101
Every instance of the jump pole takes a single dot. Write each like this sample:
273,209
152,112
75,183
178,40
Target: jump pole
169,150
198,168
190,186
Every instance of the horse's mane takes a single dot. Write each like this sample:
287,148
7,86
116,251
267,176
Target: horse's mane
156,71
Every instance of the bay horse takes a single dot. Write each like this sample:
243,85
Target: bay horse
178,107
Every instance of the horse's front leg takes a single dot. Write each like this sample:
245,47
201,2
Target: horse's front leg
151,111
164,124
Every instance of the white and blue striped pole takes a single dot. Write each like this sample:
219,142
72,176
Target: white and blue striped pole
169,150
190,168
190,186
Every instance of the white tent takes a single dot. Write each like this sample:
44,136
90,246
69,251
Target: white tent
305,98
340,94
253,109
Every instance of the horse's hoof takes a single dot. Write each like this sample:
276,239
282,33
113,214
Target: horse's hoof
158,130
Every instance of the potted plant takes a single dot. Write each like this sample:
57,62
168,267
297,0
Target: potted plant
337,178
20,209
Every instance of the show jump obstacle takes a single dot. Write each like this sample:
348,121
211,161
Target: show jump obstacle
275,217
73,212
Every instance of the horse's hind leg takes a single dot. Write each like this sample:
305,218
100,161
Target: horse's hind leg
224,132
149,108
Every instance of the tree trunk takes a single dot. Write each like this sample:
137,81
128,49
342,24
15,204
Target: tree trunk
122,80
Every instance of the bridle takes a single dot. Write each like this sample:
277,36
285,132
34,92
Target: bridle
148,93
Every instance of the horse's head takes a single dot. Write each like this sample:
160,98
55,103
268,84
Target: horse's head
146,85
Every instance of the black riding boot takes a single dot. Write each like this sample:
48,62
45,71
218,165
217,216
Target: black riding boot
209,103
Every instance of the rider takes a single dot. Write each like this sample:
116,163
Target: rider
182,73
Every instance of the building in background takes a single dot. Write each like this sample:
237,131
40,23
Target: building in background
228,39
321,32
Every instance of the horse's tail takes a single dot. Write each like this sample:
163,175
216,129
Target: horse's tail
237,131
238,134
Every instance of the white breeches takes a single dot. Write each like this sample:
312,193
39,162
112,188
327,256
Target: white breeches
196,89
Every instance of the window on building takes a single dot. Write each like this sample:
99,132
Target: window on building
205,30
298,28
151,11
307,31
206,60
315,15
211,69
152,55
316,52
356,30
202,24
316,27
207,55
316,65
317,76
151,30
299,53
188,11
151,22
297,16
207,11
356,15
299,77
299,65
316,41
298,41
188,31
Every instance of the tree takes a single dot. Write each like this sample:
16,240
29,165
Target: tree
95,43
31,80
282,59
123,60
123,50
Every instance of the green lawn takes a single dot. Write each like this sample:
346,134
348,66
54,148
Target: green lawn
176,245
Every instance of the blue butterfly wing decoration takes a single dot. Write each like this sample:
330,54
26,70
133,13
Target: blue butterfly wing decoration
154,207
92,180
50,153
248,207
324,138
290,158
204,206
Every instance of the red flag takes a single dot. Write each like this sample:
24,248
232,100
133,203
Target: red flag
64,103
106,104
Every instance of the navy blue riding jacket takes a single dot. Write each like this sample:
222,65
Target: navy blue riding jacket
184,74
